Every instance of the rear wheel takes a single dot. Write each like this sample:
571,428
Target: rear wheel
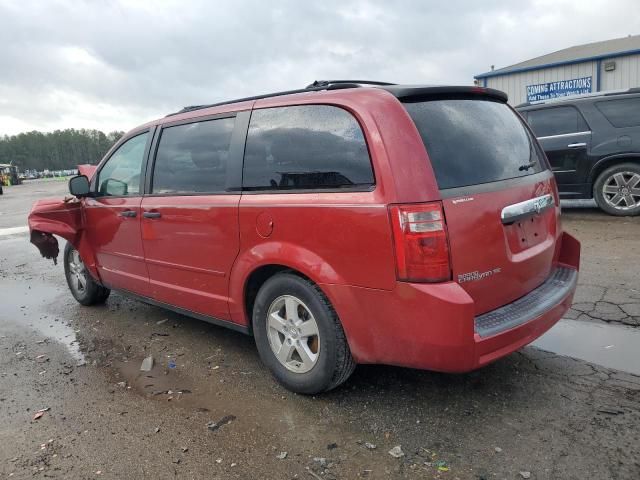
299,336
617,190
83,287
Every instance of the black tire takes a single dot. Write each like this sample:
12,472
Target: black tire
92,293
606,178
334,363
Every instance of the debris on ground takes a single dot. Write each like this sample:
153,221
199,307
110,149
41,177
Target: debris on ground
172,363
610,411
147,364
157,429
40,413
370,446
498,449
525,474
160,322
282,455
441,465
396,452
332,446
213,426
320,461
122,384
314,474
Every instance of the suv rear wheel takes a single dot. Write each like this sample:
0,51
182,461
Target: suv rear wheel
83,287
299,336
617,190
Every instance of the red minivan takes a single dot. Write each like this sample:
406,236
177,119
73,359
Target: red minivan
344,223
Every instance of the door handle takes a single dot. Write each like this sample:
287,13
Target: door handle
151,214
577,145
128,213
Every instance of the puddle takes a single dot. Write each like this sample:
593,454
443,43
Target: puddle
13,231
612,346
31,306
160,382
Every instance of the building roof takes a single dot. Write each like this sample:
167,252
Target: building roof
616,47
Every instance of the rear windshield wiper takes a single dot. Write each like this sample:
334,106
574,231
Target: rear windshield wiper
524,168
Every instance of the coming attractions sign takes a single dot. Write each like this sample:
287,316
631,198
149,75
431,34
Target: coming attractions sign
561,88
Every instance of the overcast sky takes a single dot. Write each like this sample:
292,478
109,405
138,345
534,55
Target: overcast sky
111,64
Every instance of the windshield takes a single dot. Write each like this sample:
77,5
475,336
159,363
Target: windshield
471,141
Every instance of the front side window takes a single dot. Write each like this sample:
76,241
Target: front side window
120,176
556,121
305,147
193,158
621,113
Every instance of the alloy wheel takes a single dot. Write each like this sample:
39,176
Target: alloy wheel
77,273
622,190
293,334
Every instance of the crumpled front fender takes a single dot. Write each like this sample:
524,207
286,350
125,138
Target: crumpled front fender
65,219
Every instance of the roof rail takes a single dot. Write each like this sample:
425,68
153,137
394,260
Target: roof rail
581,96
314,87
328,83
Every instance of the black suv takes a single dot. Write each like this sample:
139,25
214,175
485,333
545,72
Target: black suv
593,144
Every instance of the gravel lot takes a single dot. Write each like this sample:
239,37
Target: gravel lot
532,415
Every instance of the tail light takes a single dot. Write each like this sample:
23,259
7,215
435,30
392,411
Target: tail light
421,243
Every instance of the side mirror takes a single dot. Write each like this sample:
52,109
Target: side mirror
79,186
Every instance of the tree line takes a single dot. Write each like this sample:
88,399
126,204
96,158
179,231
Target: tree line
58,150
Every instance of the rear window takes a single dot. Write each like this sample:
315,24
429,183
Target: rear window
475,141
305,147
621,113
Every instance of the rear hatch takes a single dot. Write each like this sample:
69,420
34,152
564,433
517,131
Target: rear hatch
499,197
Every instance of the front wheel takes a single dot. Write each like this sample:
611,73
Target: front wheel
299,336
617,190
83,287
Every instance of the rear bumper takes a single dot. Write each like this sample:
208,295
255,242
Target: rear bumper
432,326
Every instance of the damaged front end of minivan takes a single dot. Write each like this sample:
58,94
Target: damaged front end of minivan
63,218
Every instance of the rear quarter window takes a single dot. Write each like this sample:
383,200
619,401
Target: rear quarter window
471,142
305,147
621,113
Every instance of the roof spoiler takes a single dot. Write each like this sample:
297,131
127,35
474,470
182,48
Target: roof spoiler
410,93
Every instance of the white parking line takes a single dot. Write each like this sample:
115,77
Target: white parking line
13,230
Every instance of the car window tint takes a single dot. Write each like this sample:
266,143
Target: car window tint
470,141
556,121
305,147
621,113
193,158
120,176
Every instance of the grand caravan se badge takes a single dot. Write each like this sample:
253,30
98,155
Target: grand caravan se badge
473,276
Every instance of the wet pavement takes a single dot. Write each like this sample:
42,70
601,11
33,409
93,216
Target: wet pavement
612,346
535,411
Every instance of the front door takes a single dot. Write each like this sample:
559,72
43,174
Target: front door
113,217
190,215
